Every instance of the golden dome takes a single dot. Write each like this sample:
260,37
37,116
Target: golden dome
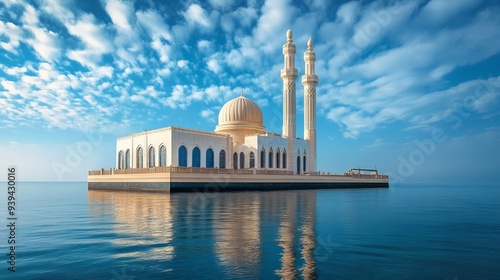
239,117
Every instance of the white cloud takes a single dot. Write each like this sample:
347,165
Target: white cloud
208,115
13,33
160,34
349,12
177,98
196,15
46,43
272,24
120,12
221,4
127,41
155,24
214,65
376,61
163,49
58,10
244,16
9,3
440,11
30,15
205,46
182,63
381,87
93,36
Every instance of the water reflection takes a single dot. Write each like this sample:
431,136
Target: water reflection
237,233
252,227
141,219
296,232
247,234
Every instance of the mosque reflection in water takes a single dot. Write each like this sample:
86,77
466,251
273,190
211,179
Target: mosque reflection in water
247,234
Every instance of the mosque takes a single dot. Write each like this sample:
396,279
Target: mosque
240,139
240,148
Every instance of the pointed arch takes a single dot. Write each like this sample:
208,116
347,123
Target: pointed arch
235,160
151,157
263,158
284,159
182,156
163,156
196,161
127,159
209,158
252,160
242,160
121,160
298,164
278,158
271,154
222,159
140,157
304,161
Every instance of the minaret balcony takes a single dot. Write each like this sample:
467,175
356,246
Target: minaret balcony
308,78
292,73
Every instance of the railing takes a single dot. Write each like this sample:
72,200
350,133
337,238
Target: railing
202,170
273,172
171,169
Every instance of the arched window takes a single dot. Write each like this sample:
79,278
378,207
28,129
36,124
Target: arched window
140,157
183,156
196,157
222,159
121,160
304,164
278,158
242,160
298,164
210,158
284,159
235,161
163,156
127,159
263,158
252,160
271,158
151,157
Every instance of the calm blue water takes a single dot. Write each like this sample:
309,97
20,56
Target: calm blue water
405,232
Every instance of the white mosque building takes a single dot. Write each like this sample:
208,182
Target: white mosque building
240,140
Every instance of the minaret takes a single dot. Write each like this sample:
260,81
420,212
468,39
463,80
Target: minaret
289,75
310,80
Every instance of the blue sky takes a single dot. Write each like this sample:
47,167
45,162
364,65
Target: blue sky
409,87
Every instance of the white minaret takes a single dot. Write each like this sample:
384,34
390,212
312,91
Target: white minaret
310,80
289,75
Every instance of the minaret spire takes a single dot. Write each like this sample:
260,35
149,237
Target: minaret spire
309,81
289,75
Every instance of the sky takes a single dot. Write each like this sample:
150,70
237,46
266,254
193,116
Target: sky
409,87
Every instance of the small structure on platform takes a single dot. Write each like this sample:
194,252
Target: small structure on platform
239,155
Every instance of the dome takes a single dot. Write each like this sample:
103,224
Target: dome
240,117
240,109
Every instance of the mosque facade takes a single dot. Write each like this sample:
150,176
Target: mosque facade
240,140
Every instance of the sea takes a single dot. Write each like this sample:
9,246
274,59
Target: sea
406,231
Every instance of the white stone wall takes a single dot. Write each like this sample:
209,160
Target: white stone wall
203,140
256,143
145,140
172,138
